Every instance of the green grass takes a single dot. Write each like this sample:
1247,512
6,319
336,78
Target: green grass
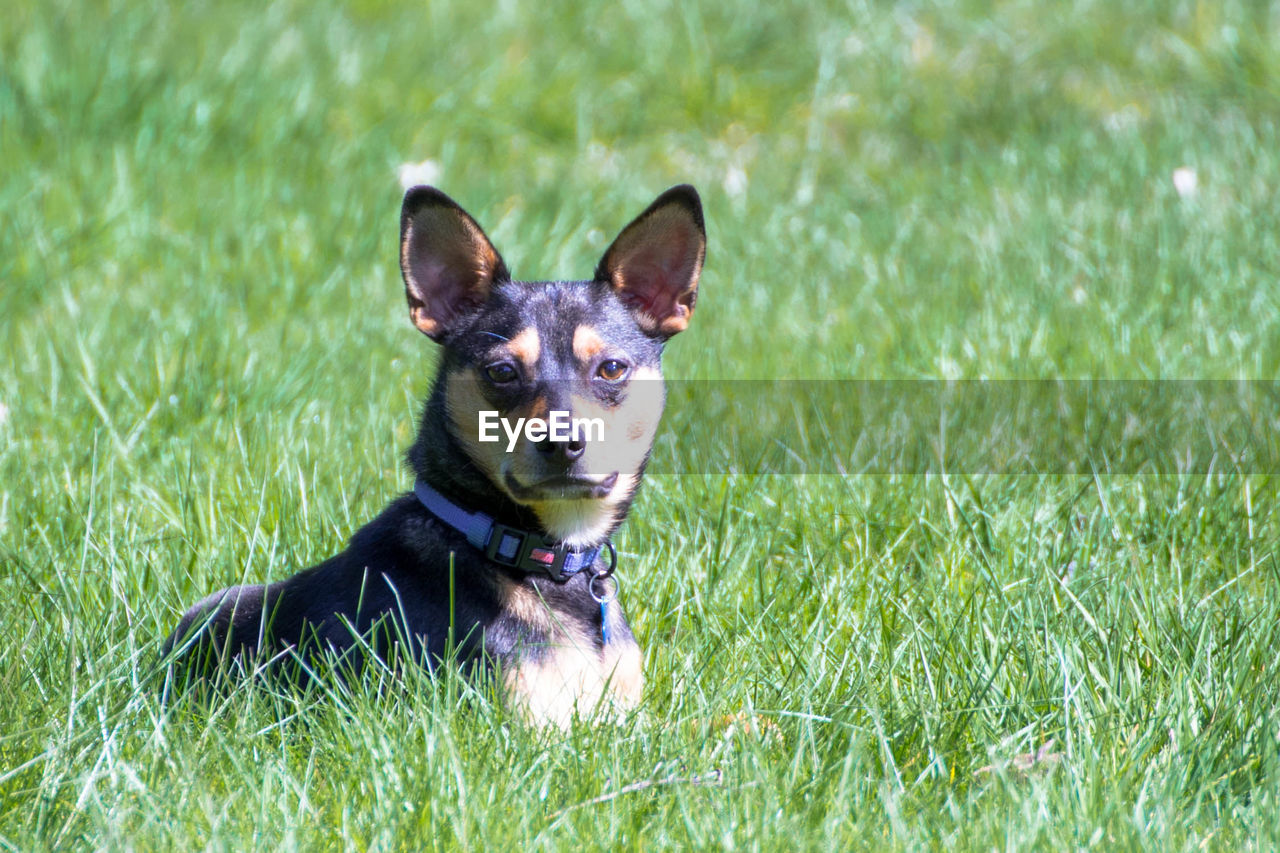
208,376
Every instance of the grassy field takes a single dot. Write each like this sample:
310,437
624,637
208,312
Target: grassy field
207,374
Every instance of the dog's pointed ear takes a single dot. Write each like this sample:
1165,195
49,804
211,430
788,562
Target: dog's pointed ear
655,262
449,265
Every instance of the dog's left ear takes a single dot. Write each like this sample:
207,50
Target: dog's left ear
655,262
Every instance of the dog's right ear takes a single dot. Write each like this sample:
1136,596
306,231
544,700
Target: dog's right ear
448,264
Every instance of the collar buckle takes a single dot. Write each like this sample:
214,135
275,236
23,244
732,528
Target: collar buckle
520,549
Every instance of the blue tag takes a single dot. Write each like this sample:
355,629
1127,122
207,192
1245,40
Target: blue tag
604,622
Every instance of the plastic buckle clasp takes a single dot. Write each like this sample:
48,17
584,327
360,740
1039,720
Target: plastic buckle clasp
544,557
499,536
532,552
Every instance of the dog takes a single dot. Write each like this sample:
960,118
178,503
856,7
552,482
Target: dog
501,556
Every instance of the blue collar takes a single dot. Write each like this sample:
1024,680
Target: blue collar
510,546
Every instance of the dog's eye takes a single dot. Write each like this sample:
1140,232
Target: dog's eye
501,373
611,370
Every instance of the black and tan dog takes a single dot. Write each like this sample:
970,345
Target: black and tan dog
524,521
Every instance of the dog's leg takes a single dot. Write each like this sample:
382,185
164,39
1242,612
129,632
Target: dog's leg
221,627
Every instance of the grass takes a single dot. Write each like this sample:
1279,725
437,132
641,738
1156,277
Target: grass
208,376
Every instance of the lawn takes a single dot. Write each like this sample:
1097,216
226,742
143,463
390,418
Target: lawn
207,375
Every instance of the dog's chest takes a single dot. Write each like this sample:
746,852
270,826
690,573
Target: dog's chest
568,677
567,668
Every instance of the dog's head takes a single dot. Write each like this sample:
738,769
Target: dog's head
553,389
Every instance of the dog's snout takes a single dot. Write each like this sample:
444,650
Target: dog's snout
561,451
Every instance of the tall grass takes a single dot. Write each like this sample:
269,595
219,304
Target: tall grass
207,377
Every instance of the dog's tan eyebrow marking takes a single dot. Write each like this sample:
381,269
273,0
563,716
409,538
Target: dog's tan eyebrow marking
526,346
587,343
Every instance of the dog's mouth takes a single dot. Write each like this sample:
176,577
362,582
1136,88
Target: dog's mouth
562,487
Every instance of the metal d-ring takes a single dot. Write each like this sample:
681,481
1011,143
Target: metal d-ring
608,594
598,579
613,559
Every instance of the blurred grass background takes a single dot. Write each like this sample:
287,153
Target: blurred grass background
208,375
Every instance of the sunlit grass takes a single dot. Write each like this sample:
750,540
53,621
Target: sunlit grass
208,376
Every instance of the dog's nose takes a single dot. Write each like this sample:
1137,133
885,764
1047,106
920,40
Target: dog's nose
566,451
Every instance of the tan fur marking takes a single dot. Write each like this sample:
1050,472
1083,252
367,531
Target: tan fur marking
538,408
526,346
575,677
583,520
525,604
488,257
587,344
485,257
624,664
564,679
629,428
463,402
